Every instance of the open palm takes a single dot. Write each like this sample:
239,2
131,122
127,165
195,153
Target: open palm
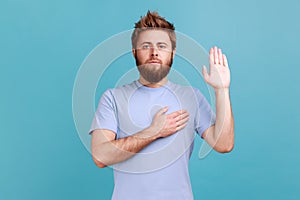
219,73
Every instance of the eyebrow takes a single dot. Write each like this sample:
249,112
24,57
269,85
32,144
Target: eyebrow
156,43
162,43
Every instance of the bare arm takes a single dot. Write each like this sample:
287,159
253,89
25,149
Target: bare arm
106,150
221,135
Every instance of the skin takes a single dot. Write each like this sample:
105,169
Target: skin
154,47
221,135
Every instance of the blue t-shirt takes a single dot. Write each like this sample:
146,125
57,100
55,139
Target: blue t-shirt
160,170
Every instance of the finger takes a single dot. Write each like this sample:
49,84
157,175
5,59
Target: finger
162,111
225,60
176,113
180,127
220,56
182,116
204,73
211,56
182,121
216,57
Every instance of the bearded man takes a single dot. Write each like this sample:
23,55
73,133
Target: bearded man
145,130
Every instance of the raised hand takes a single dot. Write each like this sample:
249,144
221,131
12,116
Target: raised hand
164,125
219,73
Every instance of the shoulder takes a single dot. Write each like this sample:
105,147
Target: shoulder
120,89
119,93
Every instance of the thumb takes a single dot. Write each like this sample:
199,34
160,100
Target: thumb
162,110
204,73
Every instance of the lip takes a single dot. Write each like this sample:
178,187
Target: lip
154,62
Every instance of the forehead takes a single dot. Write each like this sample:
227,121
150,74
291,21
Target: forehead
154,36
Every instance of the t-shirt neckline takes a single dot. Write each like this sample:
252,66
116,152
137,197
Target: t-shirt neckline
141,86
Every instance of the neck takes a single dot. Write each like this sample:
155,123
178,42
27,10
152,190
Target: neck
153,85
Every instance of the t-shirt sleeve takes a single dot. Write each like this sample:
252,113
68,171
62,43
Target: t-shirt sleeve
105,115
205,116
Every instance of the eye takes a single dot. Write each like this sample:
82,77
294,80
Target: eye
146,46
162,46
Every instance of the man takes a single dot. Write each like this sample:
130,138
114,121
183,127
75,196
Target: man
145,129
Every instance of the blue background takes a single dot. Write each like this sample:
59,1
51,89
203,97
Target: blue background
43,44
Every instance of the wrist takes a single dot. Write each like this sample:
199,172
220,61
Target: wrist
150,134
222,93
222,90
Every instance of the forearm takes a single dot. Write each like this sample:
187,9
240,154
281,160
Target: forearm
108,151
224,126
115,151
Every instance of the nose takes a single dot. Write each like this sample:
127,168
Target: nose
154,52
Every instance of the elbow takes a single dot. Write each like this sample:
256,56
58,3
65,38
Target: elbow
227,149
228,145
224,150
98,163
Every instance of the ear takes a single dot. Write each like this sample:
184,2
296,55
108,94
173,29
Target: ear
133,52
174,51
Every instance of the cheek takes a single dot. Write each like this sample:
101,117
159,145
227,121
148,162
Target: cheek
142,56
167,56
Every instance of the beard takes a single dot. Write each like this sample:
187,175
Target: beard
154,73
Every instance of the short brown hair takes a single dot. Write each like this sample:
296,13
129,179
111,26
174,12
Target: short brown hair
155,21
